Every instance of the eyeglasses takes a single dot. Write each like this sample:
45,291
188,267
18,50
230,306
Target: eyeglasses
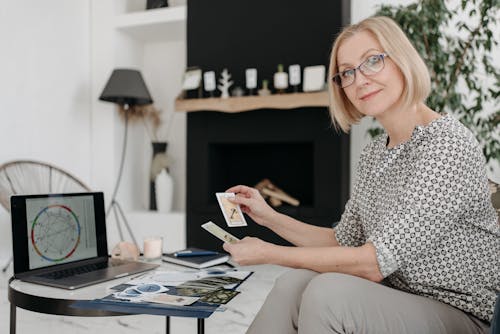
370,66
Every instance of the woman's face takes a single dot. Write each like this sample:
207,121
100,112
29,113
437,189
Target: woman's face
374,94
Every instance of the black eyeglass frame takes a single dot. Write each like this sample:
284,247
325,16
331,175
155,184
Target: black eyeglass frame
338,81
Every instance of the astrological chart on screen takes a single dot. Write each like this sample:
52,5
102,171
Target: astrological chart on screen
60,230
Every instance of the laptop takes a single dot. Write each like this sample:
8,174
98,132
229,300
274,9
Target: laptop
60,240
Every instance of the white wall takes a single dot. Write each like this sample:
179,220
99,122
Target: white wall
164,65
45,83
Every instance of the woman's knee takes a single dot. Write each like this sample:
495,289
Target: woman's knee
327,304
294,279
330,289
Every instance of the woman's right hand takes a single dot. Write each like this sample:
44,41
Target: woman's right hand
252,203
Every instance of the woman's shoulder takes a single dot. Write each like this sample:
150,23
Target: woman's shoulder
447,133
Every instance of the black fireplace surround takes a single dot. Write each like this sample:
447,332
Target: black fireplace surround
297,149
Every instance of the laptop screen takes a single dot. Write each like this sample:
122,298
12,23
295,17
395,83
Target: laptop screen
57,229
60,230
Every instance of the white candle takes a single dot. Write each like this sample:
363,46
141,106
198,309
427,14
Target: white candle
153,248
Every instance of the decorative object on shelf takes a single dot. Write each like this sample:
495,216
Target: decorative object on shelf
264,91
161,186
225,82
294,71
191,83
314,78
275,195
251,80
152,4
209,82
280,80
237,91
127,89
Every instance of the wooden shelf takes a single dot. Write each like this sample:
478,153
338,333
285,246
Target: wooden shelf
154,24
246,103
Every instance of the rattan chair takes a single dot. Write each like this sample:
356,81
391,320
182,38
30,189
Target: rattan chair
25,177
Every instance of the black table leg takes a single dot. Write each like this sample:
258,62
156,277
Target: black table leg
12,318
201,326
167,328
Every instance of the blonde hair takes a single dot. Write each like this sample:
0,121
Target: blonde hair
393,40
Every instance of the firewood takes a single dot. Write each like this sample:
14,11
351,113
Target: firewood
274,201
275,195
281,196
262,184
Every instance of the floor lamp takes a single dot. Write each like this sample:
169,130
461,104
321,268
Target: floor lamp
126,88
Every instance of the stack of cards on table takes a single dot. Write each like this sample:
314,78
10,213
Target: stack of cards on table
214,286
154,293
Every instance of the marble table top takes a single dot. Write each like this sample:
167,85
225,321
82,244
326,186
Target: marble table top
236,319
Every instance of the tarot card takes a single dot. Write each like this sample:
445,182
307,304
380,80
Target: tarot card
164,298
194,291
219,297
232,212
219,232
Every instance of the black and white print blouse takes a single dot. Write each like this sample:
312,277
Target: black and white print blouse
425,205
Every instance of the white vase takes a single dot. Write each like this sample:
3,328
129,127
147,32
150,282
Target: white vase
164,186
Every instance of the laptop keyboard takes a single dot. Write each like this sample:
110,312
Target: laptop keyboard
75,271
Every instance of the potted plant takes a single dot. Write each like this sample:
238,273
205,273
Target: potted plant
459,55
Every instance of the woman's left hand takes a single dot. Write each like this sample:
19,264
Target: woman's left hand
249,251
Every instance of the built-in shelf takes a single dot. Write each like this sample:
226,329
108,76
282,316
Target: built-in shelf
154,24
246,103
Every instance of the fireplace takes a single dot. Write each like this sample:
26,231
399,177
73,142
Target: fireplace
297,149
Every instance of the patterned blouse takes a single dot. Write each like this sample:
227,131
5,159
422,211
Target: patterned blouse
425,205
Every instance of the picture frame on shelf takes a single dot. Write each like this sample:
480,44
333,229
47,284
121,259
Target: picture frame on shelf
314,78
191,83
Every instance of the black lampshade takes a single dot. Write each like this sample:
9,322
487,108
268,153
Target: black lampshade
126,86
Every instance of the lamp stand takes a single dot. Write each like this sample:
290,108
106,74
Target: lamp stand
117,209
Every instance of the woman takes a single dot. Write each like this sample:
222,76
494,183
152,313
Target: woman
419,220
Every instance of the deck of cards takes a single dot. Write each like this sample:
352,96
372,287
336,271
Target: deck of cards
231,211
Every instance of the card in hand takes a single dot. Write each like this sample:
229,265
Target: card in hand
219,232
232,212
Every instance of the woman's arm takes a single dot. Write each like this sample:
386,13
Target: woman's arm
358,261
292,230
301,234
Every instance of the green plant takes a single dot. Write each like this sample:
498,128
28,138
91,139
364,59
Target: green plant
458,54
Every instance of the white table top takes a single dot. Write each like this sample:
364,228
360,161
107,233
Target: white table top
262,275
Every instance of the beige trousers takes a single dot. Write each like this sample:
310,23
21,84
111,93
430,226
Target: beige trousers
303,301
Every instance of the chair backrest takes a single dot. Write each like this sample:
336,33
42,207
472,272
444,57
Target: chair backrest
25,177
495,322
495,194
